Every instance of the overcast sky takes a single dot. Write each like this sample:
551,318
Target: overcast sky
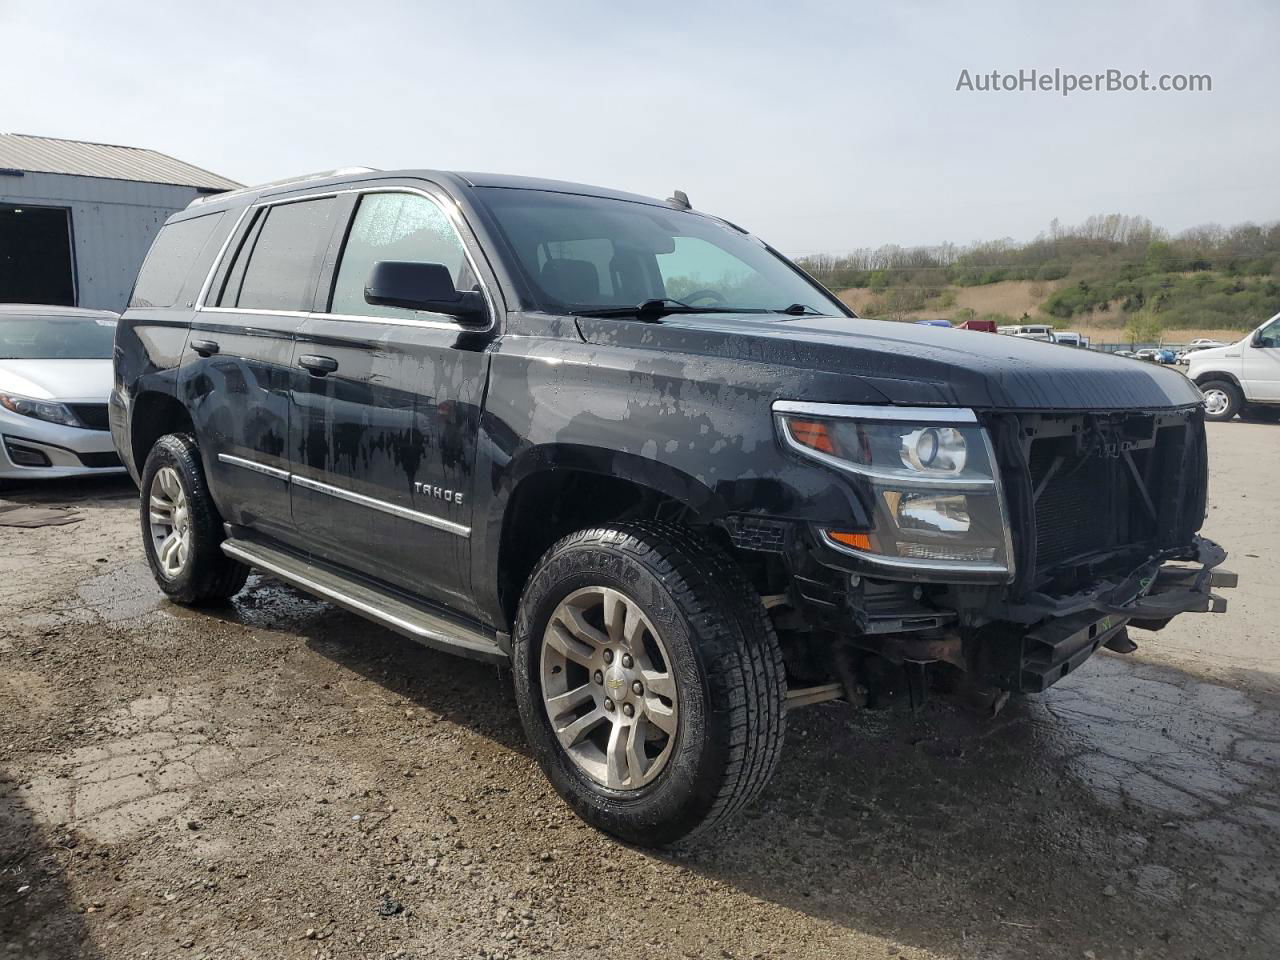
819,126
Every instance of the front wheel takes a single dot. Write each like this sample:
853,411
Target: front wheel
649,680
1222,399
181,528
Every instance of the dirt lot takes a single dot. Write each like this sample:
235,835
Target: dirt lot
280,779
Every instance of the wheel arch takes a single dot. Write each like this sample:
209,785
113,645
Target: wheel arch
1209,376
153,414
555,489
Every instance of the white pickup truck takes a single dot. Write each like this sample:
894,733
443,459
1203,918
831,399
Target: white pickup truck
1243,376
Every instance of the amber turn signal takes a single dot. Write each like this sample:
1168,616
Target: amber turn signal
859,541
812,433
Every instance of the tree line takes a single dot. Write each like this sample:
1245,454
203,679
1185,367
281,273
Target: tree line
1111,264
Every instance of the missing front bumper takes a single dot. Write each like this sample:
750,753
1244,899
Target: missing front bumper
1057,647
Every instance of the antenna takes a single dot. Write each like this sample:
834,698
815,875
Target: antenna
680,199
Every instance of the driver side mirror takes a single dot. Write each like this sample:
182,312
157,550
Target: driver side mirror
415,285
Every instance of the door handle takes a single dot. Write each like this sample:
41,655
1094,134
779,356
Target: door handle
318,366
206,348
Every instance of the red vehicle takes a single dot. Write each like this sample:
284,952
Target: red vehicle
987,326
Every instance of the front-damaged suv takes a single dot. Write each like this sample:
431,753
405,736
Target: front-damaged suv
633,452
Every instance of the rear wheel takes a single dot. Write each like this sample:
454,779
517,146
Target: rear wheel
1222,399
649,680
181,528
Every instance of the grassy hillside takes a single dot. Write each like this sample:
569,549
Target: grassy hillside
1116,275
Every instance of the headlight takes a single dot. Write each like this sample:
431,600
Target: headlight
937,503
39,409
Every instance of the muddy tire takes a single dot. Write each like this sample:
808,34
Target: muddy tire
1222,400
181,528
649,680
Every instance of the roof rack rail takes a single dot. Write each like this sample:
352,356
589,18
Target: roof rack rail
319,175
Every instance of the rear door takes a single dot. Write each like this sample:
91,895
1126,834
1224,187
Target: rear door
238,373
388,416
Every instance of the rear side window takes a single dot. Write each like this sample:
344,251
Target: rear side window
276,265
177,249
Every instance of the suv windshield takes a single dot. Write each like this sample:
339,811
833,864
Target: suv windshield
582,254
56,338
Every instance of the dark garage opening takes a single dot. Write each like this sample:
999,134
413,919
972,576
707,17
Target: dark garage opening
35,255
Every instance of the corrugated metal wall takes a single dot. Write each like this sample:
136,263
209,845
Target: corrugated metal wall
113,223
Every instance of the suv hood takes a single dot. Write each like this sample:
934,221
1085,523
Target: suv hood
910,364
75,380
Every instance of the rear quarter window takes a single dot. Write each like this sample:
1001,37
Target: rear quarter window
177,250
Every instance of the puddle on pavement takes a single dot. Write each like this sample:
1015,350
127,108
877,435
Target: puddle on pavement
129,593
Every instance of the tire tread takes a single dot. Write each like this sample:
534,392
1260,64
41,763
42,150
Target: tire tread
746,677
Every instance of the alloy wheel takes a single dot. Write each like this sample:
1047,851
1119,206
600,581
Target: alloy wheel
608,688
170,522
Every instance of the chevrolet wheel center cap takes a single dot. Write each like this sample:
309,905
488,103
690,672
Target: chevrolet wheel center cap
616,683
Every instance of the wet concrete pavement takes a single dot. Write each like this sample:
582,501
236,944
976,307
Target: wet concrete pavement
275,779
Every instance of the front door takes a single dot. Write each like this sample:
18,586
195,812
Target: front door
1261,368
238,373
385,436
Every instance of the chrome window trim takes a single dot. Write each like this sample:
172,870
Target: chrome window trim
399,321
256,312
426,519
253,208
451,214
858,411
273,472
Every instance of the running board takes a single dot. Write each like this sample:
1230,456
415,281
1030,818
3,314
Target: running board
414,621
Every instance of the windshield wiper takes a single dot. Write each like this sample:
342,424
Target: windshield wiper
800,310
655,309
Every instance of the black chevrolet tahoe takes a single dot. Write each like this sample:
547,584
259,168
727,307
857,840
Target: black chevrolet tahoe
630,450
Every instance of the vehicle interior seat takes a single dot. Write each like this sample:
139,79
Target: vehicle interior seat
571,281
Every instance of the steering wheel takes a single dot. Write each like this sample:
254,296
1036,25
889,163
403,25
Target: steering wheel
713,295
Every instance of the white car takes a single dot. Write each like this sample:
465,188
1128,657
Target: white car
1197,346
55,377
1244,374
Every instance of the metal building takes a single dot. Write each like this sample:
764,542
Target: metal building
76,219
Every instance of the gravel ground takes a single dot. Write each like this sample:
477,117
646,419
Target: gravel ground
281,779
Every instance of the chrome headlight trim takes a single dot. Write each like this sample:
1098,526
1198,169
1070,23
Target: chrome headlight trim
880,479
